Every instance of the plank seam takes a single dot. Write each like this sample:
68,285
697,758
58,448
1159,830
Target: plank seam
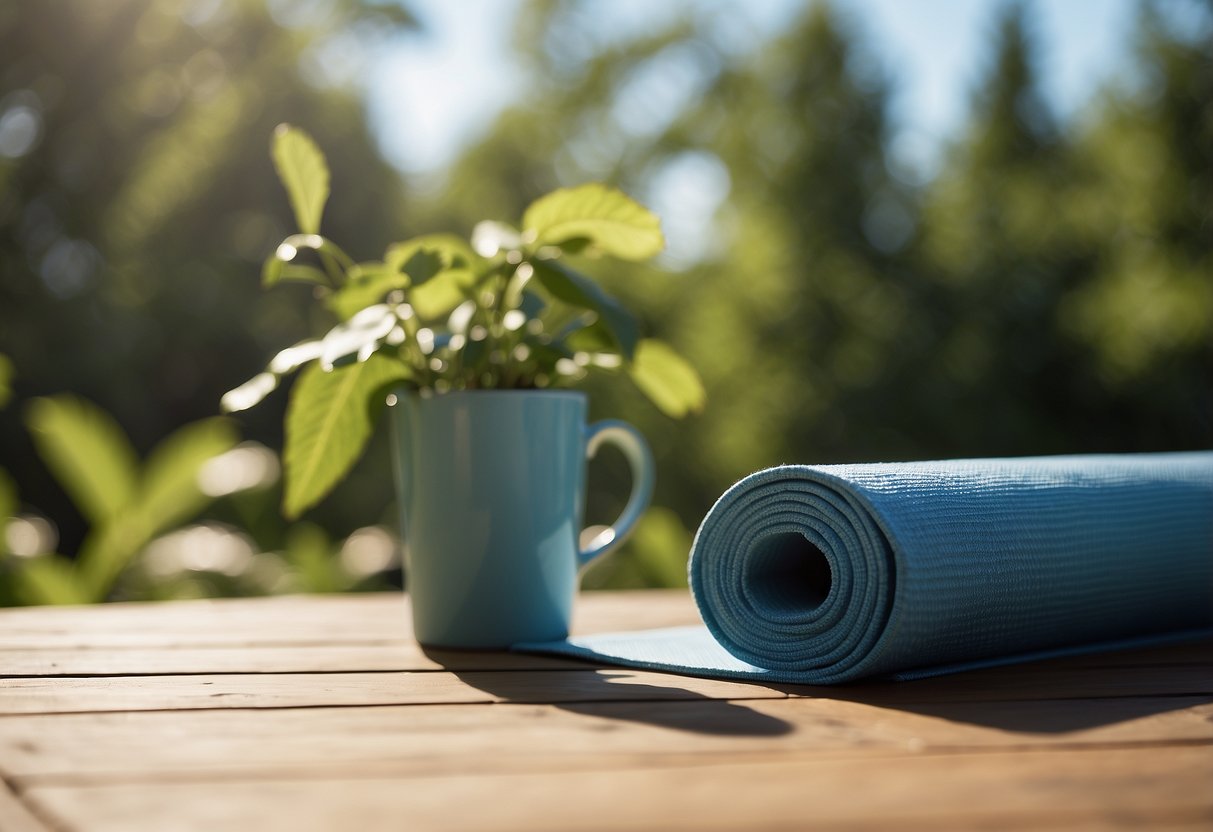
338,705
566,702
687,760
555,668
187,673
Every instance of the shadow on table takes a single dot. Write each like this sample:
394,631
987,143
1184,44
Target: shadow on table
1028,716
614,693
1055,696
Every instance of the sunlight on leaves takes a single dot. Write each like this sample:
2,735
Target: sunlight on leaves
667,379
489,238
359,336
328,422
281,266
292,358
249,393
609,220
304,174
413,262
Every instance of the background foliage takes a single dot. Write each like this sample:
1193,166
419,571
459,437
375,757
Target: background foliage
1050,289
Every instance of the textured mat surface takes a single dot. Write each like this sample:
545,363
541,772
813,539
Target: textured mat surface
828,574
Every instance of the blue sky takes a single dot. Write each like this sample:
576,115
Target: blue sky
432,95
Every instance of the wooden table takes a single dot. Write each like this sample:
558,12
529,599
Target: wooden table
320,713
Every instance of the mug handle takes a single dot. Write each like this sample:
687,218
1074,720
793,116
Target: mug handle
640,458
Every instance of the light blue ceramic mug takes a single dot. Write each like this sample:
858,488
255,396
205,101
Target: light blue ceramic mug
491,486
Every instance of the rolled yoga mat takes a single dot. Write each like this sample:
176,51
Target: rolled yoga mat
834,573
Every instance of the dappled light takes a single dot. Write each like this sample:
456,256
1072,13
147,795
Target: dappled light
247,466
30,535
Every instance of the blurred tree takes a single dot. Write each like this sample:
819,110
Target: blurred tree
137,200
795,307
1047,291
126,503
1078,303
1145,205
1002,378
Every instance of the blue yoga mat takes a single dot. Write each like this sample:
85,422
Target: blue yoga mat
834,573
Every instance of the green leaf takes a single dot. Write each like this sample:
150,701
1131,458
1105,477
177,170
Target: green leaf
169,493
454,251
275,270
593,338
49,579
610,220
106,551
667,379
304,173
328,422
423,265
576,245
443,293
568,286
6,380
87,452
281,266
412,263
365,289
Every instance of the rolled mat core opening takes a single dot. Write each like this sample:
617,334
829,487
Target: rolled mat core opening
787,574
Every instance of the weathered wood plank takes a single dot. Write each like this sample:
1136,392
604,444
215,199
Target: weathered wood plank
369,633
245,729
359,633
519,679
15,816
282,658
299,690
286,619
441,740
1192,661
297,619
1096,788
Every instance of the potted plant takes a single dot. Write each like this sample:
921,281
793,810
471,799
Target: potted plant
476,344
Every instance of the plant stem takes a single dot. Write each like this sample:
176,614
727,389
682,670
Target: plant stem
413,349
